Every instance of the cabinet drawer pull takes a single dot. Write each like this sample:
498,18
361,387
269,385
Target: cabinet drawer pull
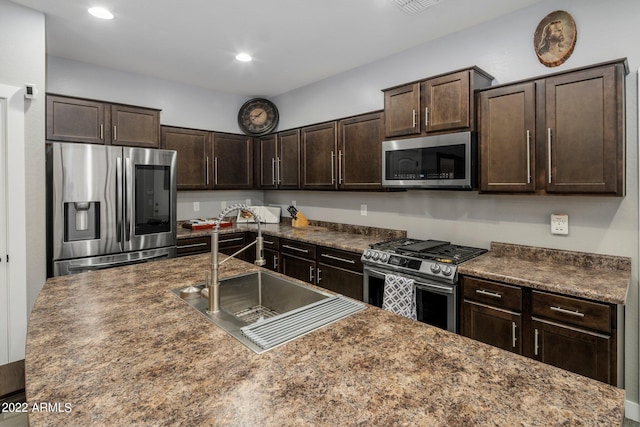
306,251
268,242
231,240
193,245
414,118
565,311
514,334
488,293
535,342
350,261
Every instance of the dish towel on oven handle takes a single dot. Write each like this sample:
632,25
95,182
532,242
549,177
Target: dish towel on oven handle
399,296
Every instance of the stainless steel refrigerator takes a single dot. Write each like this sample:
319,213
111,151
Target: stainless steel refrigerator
109,206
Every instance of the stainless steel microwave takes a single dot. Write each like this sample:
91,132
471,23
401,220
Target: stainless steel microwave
445,161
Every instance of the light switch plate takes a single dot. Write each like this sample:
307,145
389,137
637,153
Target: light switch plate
196,206
363,210
560,224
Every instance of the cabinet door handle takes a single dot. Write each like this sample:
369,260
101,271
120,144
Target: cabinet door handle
333,156
549,153
536,335
426,117
101,131
414,118
319,278
275,262
514,334
488,293
350,261
215,170
278,170
273,171
207,170
310,274
115,132
306,251
340,154
528,157
565,311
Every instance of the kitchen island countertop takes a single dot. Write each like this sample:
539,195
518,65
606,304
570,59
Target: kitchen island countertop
116,347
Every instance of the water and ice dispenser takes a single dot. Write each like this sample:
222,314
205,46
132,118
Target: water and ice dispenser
81,221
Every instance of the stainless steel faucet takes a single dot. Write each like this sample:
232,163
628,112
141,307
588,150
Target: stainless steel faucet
214,288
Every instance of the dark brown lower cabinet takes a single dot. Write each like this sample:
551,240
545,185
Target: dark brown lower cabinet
499,328
340,271
193,245
299,268
273,260
571,333
580,351
231,243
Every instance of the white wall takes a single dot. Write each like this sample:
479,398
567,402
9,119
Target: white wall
503,47
22,46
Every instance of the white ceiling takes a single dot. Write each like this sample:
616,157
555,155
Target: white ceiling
293,42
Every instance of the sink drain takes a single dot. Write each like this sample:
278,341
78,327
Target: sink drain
255,313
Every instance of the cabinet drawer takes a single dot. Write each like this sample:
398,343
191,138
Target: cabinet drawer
338,258
492,293
230,239
271,242
588,314
193,245
299,249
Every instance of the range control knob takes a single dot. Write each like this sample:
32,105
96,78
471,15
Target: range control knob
435,268
376,256
367,254
384,257
446,270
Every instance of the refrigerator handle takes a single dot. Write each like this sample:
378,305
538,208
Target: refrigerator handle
128,184
119,199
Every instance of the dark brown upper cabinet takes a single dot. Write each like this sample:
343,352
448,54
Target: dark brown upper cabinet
232,162
437,104
278,162
558,134
194,158
208,160
360,152
319,150
88,121
507,131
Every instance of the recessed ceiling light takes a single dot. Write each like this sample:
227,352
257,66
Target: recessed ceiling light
243,57
101,12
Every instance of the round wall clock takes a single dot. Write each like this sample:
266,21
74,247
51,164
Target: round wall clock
555,38
258,116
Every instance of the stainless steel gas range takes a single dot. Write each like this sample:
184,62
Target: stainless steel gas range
432,264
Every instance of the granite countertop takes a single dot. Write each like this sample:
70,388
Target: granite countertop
339,236
603,278
116,347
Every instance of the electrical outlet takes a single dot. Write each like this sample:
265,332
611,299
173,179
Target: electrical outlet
560,224
223,205
293,203
247,202
363,210
196,206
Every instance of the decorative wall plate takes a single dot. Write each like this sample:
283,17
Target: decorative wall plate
555,38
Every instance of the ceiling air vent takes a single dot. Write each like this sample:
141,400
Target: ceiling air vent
411,7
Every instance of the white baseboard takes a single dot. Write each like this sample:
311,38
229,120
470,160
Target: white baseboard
632,410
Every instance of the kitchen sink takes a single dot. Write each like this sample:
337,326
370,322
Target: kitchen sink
263,310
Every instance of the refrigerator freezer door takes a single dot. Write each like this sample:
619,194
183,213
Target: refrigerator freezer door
81,265
84,200
149,198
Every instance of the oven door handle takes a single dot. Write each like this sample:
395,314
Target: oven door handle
419,284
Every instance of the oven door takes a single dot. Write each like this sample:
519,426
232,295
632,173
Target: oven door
436,302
